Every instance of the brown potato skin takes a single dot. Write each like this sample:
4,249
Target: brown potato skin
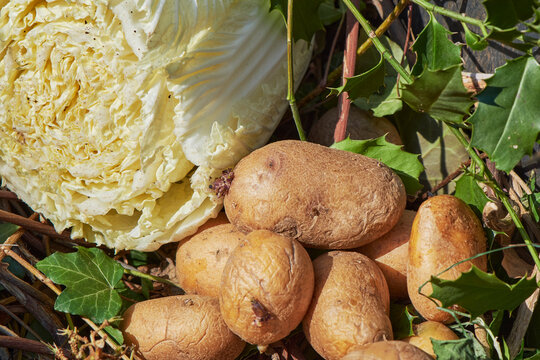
200,260
428,330
387,350
350,304
324,198
266,287
184,327
390,252
360,125
445,231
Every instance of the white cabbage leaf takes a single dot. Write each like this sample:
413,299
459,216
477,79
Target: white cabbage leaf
116,115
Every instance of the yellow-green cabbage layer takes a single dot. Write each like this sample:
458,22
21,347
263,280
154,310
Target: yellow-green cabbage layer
115,116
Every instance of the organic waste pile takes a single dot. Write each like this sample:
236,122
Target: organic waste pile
269,180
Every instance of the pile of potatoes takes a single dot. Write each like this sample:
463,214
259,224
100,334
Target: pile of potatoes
250,279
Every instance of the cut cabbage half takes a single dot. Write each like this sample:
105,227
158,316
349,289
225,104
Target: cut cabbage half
116,116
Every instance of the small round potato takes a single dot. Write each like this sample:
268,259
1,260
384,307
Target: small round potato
185,327
350,304
424,332
387,350
361,125
390,252
324,198
445,231
266,287
200,260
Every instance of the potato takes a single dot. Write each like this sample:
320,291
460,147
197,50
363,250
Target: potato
200,260
350,304
185,327
360,125
322,197
387,350
424,332
445,231
390,253
266,287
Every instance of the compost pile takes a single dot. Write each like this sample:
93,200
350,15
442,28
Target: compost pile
269,180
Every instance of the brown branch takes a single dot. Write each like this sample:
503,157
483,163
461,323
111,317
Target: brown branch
349,60
334,75
24,344
31,224
6,194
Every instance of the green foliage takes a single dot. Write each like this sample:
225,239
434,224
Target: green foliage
474,41
463,349
505,124
467,189
328,13
506,14
306,18
402,320
363,85
478,292
92,281
6,230
406,165
434,50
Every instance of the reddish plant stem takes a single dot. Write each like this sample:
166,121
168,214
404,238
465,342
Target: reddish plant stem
24,344
349,60
6,194
31,224
407,38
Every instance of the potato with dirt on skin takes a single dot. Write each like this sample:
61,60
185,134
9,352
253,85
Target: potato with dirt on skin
266,287
445,231
350,304
390,252
184,327
361,125
200,259
324,198
427,330
387,350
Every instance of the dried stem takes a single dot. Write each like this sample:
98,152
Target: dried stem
24,344
22,323
349,60
30,224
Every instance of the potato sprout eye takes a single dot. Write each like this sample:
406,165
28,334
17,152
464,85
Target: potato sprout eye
261,313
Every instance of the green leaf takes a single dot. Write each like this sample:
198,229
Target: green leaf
506,14
440,151
306,20
91,279
6,230
406,165
474,41
329,14
462,349
467,189
479,292
363,85
434,50
505,124
402,321
440,94
115,334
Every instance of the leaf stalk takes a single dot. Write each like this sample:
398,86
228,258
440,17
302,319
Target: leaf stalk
451,14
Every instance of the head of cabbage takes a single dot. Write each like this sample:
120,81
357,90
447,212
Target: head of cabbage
116,115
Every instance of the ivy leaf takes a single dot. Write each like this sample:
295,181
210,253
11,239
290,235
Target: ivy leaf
474,41
363,85
328,13
505,124
463,349
306,19
441,152
402,321
434,50
506,14
91,279
406,165
440,93
478,292
467,189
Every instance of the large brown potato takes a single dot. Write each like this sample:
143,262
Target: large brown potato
360,125
350,304
424,332
445,231
200,260
322,197
266,287
186,327
390,252
387,350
